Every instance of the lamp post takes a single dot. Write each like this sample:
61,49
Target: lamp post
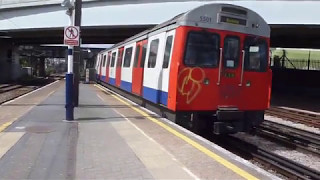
69,76
77,54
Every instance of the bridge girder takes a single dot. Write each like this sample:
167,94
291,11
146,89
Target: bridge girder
289,36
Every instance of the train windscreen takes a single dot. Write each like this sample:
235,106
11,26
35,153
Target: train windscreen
202,49
256,54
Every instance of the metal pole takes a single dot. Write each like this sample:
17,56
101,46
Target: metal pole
69,77
309,61
77,54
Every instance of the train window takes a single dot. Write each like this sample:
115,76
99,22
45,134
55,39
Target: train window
113,59
144,53
136,57
127,57
153,53
256,54
120,55
104,60
100,61
167,52
202,49
231,51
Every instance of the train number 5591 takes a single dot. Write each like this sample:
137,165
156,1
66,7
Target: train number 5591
205,19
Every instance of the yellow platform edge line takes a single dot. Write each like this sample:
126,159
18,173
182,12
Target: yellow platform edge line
5,125
198,146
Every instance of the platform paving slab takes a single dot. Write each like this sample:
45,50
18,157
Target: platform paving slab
45,149
40,145
114,148
107,140
199,164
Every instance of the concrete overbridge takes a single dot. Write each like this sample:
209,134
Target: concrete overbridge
293,23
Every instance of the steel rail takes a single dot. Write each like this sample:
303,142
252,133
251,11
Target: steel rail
304,140
10,88
295,116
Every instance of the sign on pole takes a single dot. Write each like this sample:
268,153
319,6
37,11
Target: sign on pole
71,35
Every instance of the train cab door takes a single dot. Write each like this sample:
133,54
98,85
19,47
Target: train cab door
230,71
108,67
118,67
164,75
138,66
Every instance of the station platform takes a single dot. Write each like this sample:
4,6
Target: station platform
110,138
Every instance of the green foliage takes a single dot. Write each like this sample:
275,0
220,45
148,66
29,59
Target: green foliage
24,62
50,70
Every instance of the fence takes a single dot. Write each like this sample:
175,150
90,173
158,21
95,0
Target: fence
304,64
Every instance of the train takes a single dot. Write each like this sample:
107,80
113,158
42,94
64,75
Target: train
205,69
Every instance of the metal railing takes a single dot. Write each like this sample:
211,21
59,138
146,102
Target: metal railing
303,64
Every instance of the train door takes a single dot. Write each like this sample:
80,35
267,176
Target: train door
100,66
112,71
126,71
230,71
256,77
103,69
138,65
153,67
119,65
108,67
164,75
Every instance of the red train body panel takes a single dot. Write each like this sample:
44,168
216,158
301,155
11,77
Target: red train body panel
107,67
137,73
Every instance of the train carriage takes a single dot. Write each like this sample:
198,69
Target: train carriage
208,67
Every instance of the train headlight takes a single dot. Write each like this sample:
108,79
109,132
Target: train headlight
248,84
255,25
206,81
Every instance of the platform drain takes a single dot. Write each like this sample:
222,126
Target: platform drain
39,129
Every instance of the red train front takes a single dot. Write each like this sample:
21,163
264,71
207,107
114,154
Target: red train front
221,69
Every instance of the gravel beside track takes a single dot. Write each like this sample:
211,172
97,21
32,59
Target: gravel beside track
288,162
9,95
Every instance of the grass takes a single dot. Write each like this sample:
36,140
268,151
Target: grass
298,54
299,58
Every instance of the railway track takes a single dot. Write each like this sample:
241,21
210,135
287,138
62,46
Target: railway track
295,116
12,91
293,137
287,167
9,87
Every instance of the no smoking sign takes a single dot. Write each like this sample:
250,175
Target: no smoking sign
71,35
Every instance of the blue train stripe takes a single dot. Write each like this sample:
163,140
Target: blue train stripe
126,86
153,95
112,81
164,98
156,96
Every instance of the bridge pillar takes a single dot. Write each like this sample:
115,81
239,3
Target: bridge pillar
42,72
9,61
